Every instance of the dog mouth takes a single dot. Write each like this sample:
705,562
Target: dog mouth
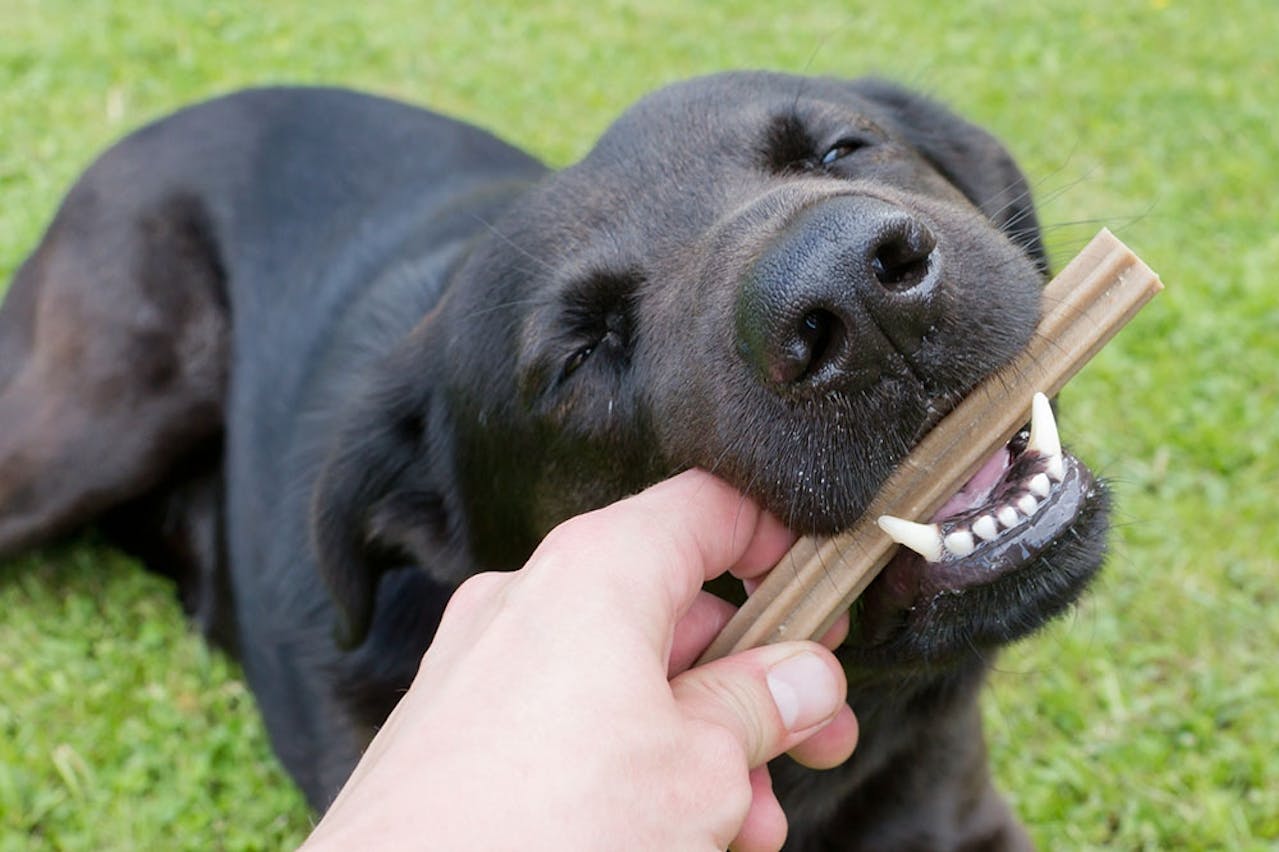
1024,500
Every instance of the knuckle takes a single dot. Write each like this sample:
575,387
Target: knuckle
744,715
475,591
720,750
565,543
718,759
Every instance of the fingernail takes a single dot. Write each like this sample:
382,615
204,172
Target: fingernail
804,690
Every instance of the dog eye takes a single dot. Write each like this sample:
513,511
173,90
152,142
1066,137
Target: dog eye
612,332
577,359
598,320
841,149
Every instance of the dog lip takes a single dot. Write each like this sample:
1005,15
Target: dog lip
1022,543
1026,497
910,580
1005,491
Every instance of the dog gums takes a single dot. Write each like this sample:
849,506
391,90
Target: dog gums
1085,306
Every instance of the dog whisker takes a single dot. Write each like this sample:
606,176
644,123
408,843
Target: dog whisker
501,306
542,263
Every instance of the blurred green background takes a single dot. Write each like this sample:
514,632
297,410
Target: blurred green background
1145,719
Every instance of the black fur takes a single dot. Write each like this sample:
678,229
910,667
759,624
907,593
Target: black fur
343,353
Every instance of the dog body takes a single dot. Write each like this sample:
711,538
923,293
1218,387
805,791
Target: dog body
320,356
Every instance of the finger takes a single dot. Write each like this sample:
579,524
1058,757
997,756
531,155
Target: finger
790,558
765,827
770,543
702,622
707,617
836,633
651,553
768,698
830,746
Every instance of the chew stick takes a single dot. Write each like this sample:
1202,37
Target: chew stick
1085,306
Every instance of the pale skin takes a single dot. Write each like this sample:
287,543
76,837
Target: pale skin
557,707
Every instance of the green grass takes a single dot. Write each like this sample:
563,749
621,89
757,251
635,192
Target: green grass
1145,719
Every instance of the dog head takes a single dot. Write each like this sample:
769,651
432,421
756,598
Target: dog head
783,280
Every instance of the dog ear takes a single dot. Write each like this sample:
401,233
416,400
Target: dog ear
377,505
969,157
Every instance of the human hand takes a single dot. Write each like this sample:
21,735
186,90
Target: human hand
556,708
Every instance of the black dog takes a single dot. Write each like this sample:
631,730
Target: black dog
320,356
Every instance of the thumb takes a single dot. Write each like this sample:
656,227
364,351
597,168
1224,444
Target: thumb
769,698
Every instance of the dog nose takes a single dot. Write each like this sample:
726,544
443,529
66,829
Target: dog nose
846,287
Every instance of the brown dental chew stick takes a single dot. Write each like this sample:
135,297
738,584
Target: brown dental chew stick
1085,306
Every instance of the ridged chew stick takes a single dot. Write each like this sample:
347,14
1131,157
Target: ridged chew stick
1084,307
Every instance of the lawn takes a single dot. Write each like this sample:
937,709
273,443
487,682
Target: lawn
1147,718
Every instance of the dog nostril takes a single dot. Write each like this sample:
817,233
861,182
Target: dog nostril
805,349
900,262
815,332
814,339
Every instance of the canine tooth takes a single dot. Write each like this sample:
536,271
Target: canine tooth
1027,505
924,539
1040,485
960,542
1043,428
1007,516
986,528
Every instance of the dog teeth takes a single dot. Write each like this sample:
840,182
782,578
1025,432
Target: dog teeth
929,541
1040,485
1043,427
986,528
1044,438
1056,468
960,543
924,539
